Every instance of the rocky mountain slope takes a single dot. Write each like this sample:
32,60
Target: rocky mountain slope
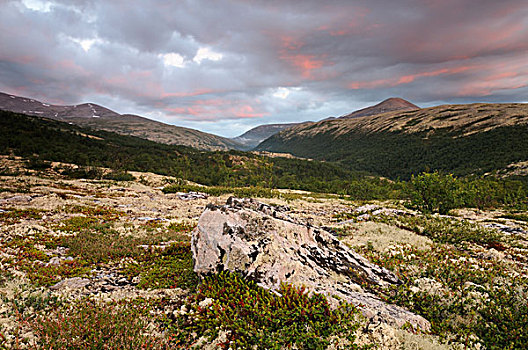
101,118
464,139
253,137
389,105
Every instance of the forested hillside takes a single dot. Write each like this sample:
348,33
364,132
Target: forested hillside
463,140
50,140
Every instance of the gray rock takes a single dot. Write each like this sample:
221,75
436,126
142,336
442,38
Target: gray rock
506,229
17,199
266,245
191,196
71,283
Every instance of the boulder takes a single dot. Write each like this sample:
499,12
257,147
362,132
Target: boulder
263,243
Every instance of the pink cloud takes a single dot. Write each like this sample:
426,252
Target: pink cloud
213,109
406,79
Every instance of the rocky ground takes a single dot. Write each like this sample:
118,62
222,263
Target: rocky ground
67,243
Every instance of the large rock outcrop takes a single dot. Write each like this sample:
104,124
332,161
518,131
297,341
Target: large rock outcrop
266,245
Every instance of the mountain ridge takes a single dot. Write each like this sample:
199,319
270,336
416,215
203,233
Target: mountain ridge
389,105
101,118
258,134
464,139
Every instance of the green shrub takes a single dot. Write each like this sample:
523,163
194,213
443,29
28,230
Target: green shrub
435,193
119,176
491,192
504,321
220,190
35,163
255,318
82,172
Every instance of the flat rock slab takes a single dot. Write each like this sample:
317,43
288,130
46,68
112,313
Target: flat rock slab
264,244
71,283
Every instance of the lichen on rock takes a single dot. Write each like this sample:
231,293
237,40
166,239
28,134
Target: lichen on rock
263,243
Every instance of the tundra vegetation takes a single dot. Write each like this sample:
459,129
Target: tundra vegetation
106,215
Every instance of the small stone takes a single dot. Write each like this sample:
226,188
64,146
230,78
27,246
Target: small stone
206,302
54,261
122,281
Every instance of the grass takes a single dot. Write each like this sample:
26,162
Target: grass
171,267
445,229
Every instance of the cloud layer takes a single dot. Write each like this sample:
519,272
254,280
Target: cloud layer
225,66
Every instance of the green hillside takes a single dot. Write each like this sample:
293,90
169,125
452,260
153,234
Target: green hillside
379,146
51,140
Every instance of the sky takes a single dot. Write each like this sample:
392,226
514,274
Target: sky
227,66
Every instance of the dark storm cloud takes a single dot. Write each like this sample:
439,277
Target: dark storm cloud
224,66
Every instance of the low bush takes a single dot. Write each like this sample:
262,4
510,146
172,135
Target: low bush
439,193
434,192
504,320
255,318
13,216
89,324
119,176
47,275
474,302
36,163
82,172
171,267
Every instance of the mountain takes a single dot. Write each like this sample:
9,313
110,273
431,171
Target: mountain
101,118
463,139
389,105
253,137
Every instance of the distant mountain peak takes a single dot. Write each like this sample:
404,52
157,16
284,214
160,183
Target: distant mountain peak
253,137
397,102
389,105
98,117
